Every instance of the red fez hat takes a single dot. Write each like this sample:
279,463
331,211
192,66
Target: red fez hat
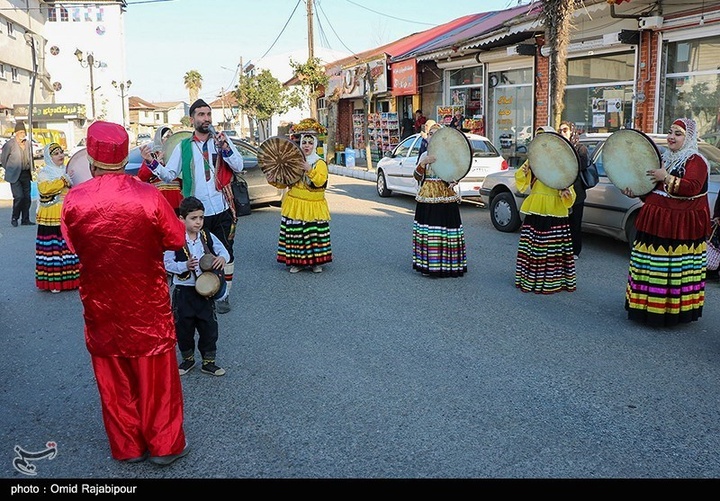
108,145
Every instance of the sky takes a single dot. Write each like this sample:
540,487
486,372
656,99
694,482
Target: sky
167,38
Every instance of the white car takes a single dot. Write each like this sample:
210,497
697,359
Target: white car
395,170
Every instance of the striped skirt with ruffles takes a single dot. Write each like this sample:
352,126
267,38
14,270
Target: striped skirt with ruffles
304,243
439,240
545,262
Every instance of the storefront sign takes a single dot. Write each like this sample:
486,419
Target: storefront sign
355,79
404,78
69,111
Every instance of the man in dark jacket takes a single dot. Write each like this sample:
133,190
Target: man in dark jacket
16,157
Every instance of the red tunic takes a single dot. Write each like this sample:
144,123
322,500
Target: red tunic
119,227
676,218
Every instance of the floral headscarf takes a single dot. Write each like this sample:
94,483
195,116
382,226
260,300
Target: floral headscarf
574,136
674,161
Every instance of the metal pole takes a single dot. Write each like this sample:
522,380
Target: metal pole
31,41
91,61
122,100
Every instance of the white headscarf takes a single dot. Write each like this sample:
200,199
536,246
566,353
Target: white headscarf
50,171
674,161
312,157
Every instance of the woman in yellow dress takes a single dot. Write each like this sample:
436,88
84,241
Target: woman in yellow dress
56,267
545,262
305,217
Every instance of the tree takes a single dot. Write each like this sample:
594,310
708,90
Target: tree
312,77
263,96
557,19
193,83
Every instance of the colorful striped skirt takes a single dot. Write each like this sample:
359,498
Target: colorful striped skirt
666,280
439,240
56,268
545,262
304,243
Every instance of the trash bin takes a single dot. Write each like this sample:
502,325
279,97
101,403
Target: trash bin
349,157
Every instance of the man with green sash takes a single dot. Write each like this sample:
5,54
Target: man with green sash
206,163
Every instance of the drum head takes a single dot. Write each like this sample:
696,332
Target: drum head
282,159
453,153
172,142
627,155
78,167
206,262
553,160
207,284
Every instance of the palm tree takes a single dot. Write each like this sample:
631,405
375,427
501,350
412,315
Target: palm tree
193,83
557,19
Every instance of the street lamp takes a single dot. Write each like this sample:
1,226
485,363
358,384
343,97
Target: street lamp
30,40
122,87
89,62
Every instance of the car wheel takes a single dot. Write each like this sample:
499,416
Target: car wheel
382,186
631,230
504,213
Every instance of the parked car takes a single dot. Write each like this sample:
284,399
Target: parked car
261,193
395,170
607,211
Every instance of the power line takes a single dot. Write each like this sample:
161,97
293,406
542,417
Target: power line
283,30
333,29
388,15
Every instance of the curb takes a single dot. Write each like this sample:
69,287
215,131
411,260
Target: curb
356,172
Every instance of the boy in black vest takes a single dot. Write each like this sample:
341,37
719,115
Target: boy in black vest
192,310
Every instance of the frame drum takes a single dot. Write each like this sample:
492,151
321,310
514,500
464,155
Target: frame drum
627,155
78,167
282,159
453,154
553,160
172,142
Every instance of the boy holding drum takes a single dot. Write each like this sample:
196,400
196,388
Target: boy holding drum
194,307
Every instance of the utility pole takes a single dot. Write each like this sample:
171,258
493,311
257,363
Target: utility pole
311,56
311,49
242,115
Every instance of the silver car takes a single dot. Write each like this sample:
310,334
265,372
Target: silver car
607,211
395,170
261,193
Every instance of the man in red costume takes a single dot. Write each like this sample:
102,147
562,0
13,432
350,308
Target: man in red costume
119,227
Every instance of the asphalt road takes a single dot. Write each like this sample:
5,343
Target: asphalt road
371,371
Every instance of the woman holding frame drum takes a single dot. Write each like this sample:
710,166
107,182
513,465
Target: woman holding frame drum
666,280
438,234
545,263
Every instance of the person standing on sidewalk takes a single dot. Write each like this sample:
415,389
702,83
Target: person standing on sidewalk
16,158
119,227
196,159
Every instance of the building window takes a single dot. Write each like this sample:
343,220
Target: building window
99,14
692,84
599,92
76,14
64,17
15,75
510,111
10,29
52,14
465,92
2,72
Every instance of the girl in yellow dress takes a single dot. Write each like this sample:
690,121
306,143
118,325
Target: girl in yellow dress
56,267
545,262
305,217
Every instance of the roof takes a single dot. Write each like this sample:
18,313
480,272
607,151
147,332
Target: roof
498,22
228,102
136,103
169,104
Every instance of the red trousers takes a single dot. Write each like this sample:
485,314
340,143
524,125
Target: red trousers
142,404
